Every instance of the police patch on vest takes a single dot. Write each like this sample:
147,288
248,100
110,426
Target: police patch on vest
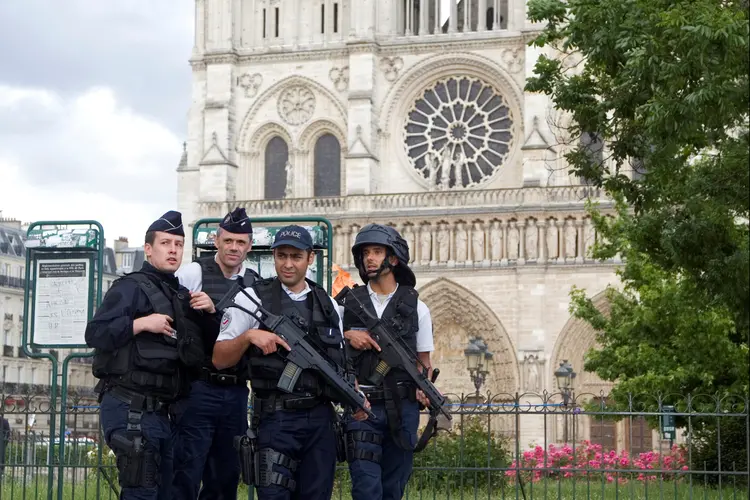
225,322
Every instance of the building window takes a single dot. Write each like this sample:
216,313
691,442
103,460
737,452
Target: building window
277,154
277,22
327,166
335,18
459,132
322,18
264,24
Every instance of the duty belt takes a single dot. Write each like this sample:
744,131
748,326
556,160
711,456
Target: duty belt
223,379
278,402
376,395
150,403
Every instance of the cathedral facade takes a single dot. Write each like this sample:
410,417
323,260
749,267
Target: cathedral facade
410,113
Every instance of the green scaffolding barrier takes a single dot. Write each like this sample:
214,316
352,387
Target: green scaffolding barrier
260,258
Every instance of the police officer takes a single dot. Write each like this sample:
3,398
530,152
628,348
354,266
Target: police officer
216,409
381,450
144,336
295,432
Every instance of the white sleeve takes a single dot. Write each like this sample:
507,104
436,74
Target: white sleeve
339,310
191,277
425,341
236,322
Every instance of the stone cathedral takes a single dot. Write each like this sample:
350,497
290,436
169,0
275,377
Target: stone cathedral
410,113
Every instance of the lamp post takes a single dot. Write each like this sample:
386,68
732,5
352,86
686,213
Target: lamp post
565,377
477,359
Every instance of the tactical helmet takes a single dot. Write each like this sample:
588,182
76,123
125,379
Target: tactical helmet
378,234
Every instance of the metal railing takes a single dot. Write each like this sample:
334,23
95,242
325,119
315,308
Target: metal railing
12,281
498,446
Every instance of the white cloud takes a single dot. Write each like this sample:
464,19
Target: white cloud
86,157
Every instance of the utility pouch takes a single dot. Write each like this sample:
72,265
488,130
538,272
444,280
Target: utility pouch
245,446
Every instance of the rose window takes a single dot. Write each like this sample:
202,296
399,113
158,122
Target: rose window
458,133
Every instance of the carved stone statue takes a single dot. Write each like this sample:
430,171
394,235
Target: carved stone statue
289,191
425,244
447,168
570,239
443,243
461,243
513,241
532,372
459,163
409,236
496,241
432,163
589,238
532,239
477,242
552,238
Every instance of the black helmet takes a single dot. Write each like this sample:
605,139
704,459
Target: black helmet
378,234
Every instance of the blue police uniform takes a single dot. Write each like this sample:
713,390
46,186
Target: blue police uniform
296,437
381,450
142,375
216,409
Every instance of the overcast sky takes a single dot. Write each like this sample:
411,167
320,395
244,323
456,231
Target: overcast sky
94,96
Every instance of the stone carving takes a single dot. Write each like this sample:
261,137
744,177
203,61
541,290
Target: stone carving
532,379
250,83
296,105
443,243
513,59
340,78
432,163
552,240
532,239
391,66
570,239
425,244
289,190
589,238
446,163
461,243
477,242
496,241
409,236
355,230
513,240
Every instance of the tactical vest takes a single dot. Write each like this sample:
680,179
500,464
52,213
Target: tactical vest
318,318
400,316
215,284
153,363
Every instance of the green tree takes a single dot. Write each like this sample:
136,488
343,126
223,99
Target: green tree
665,85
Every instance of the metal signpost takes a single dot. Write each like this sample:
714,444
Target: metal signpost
64,272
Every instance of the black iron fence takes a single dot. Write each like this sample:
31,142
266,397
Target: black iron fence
519,446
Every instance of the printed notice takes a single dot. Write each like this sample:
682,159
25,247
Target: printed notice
61,301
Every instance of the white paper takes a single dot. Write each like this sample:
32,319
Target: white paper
61,301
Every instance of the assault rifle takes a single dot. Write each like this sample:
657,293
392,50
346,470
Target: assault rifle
302,356
393,354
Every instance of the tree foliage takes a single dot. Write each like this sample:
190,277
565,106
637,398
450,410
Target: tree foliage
665,85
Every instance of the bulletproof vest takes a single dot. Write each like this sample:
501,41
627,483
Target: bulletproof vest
318,318
215,284
400,316
153,363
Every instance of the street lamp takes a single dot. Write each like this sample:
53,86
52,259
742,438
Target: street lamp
477,359
565,377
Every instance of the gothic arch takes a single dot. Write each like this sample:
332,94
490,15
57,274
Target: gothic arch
264,133
458,314
318,128
575,339
246,131
398,101
432,68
